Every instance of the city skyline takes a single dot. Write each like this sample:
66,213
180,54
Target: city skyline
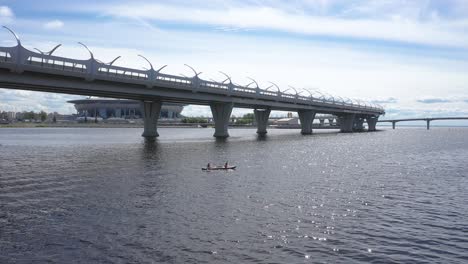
409,57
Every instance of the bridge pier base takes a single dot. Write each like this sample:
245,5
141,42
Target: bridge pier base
428,124
347,123
307,118
393,124
261,118
372,123
221,113
151,111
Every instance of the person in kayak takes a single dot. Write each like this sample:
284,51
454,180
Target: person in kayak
208,166
226,165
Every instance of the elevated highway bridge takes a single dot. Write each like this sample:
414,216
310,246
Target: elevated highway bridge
428,120
24,69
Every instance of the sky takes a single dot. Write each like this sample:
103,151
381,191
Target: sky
410,56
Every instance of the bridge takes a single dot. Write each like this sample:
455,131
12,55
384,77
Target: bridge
37,70
428,120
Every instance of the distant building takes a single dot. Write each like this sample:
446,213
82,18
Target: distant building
290,121
11,115
56,117
19,116
115,108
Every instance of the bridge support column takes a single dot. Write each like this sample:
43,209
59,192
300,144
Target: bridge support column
330,122
151,111
393,124
428,123
347,123
358,124
221,113
261,118
307,118
372,123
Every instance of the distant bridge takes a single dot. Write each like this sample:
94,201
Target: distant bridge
24,69
428,120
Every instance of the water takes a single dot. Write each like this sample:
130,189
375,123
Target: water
106,196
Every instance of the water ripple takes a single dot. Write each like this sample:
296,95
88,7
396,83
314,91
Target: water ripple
106,196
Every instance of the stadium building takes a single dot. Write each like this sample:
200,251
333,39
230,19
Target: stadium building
116,108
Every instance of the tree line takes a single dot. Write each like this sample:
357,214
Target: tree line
244,120
31,115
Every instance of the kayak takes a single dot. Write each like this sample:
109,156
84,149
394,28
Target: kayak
220,168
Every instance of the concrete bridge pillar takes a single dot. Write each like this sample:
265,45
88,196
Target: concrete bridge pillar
151,111
261,118
372,123
358,124
428,123
322,122
330,121
393,124
221,114
307,118
347,123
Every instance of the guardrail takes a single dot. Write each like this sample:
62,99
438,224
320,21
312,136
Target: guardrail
19,59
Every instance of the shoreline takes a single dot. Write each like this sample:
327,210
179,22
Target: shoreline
107,125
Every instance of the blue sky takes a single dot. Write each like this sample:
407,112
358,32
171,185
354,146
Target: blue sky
410,56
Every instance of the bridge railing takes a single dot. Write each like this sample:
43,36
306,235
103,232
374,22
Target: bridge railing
244,89
214,85
20,59
268,93
5,56
178,81
120,72
57,63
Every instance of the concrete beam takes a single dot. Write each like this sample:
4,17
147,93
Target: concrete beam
347,123
261,118
221,113
151,111
306,117
372,123
133,89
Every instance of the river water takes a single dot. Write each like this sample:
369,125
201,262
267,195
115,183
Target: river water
88,195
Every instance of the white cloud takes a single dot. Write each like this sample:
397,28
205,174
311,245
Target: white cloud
6,15
395,28
5,11
19,100
54,24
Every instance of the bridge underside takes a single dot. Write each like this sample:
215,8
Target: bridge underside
69,85
221,105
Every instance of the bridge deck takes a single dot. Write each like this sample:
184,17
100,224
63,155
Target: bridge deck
24,69
29,70
424,119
